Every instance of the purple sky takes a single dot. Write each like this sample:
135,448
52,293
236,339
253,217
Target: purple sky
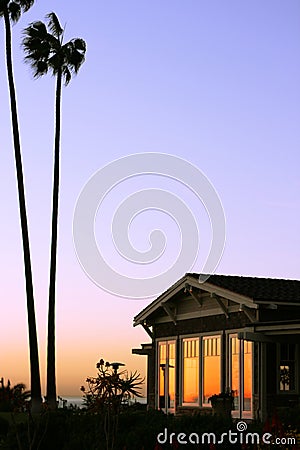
215,83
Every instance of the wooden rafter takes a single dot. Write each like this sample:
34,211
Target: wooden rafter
197,299
249,313
170,313
147,329
221,304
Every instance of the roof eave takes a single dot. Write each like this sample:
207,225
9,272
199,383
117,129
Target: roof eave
192,281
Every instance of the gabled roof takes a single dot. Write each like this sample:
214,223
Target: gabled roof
258,289
250,291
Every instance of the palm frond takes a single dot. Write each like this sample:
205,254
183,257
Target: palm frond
55,62
54,42
15,8
25,4
35,48
75,61
41,68
41,49
74,51
66,75
36,30
54,25
38,67
80,44
14,11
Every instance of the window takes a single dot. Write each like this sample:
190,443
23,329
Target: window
191,371
166,375
247,391
161,377
241,374
234,349
287,367
211,379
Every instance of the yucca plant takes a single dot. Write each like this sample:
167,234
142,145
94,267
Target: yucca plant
108,392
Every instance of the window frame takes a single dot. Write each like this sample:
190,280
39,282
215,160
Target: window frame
182,340
278,360
204,338
240,412
200,337
166,340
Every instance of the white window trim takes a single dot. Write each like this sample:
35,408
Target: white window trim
182,403
199,336
239,413
157,341
220,335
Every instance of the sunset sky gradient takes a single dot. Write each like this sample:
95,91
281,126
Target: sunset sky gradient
213,82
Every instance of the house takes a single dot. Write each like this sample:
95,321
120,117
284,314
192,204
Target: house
211,333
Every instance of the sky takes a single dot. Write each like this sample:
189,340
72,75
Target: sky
211,82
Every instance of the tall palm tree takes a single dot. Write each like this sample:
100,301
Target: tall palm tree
46,51
11,11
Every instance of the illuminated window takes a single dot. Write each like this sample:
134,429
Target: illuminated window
235,368
161,377
211,367
287,367
171,375
191,370
241,374
247,391
166,375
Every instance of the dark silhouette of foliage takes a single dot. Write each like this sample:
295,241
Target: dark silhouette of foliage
14,398
110,388
46,51
108,393
11,11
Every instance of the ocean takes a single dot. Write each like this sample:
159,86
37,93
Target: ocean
75,401
78,401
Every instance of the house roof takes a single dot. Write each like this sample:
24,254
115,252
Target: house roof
258,289
251,290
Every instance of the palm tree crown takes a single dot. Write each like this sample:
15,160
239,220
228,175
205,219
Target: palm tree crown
15,8
45,50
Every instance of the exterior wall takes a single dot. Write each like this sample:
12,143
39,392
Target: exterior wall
210,324
275,399
201,325
151,378
281,313
266,396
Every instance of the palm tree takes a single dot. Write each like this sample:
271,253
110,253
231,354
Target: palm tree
11,11
14,398
45,51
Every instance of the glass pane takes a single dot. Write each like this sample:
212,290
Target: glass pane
191,371
162,370
287,376
247,375
287,367
171,375
211,367
235,369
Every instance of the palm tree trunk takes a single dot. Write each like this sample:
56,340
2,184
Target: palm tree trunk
36,396
51,371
